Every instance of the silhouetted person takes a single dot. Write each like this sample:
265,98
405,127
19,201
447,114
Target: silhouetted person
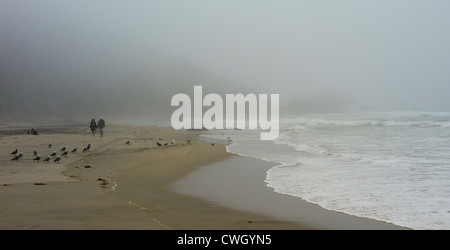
101,126
93,126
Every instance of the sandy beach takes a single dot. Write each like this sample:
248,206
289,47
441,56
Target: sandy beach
140,185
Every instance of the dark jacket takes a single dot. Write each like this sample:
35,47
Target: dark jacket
101,123
93,125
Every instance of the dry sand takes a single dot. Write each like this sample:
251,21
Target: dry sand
116,185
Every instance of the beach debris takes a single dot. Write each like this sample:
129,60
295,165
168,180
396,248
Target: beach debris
189,141
172,142
212,144
63,148
53,154
160,139
65,153
87,166
50,145
250,221
74,150
47,159
128,142
37,158
33,132
39,183
14,152
57,159
104,181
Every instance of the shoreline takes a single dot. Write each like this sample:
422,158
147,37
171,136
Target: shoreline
119,185
250,193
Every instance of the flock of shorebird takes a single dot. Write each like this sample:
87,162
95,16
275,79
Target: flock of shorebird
56,157
64,151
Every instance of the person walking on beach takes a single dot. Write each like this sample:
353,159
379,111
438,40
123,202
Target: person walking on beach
101,126
93,126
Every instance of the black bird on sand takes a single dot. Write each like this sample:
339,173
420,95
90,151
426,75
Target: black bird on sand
57,158
35,152
49,145
37,158
47,159
188,141
65,152
74,150
87,148
63,148
159,144
53,154
128,142
16,158
14,152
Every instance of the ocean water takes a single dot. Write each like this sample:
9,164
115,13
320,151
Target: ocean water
388,166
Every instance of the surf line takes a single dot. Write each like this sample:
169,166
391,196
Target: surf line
213,118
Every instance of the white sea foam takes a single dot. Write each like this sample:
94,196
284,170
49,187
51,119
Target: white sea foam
392,166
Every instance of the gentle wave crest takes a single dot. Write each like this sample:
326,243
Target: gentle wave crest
388,166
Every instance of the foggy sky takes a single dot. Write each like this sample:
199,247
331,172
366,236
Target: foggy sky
387,54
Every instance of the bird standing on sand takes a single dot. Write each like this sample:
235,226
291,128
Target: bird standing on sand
172,142
87,148
35,152
65,152
53,154
16,158
47,159
14,152
37,158
188,141
50,145
74,150
57,158
159,144
63,148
